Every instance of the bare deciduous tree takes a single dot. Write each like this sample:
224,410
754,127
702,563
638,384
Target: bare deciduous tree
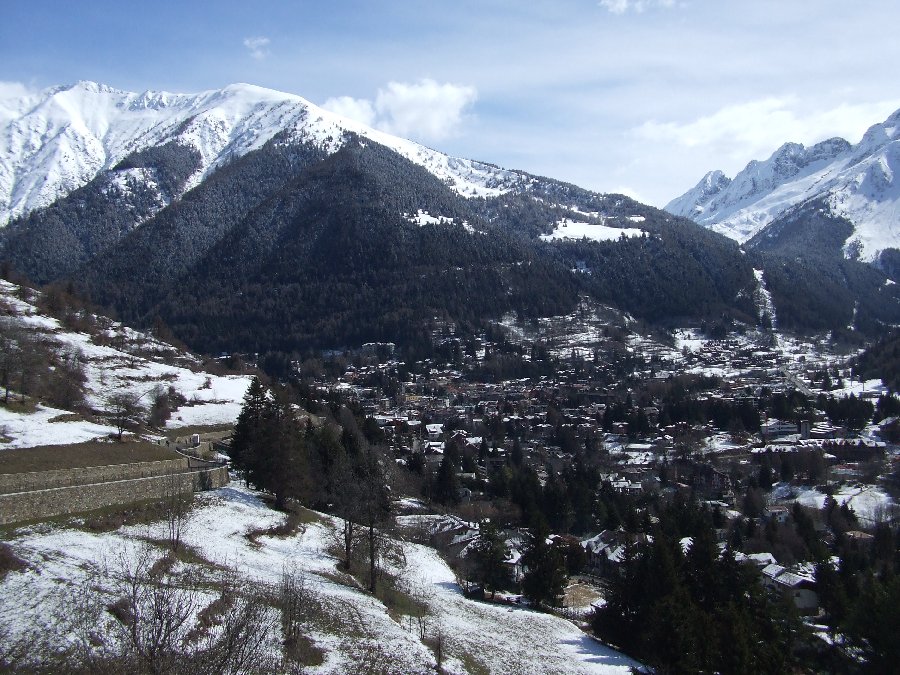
347,499
9,350
178,504
153,614
19,359
292,599
126,411
240,635
159,623
439,646
419,611
292,594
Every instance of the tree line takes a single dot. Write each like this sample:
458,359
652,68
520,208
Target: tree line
679,605
327,463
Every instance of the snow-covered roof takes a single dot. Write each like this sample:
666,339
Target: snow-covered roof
761,559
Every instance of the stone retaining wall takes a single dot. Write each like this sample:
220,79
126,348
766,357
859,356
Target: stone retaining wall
46,503
43,480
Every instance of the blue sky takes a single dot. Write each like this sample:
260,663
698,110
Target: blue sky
637,96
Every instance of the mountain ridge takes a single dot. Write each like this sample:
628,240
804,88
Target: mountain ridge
57,141
853,182
259,225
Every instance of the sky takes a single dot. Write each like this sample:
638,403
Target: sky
641,97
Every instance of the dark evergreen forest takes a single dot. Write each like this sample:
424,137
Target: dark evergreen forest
288,249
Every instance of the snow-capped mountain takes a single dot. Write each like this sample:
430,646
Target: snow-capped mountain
251,220
691,203
854,182
57,141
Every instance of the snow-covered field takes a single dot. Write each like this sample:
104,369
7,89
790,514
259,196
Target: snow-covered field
115,359
857,387
689,338
870,504
571,229
44,427
350,624
422,218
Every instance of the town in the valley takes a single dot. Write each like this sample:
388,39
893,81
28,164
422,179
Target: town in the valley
769,432
588,465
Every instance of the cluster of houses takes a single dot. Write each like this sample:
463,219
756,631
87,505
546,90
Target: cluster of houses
549,419
606,551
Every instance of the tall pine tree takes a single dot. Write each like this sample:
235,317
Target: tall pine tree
544,581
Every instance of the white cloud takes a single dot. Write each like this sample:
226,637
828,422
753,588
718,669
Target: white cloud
622,6
11,94
425,110
615,6
358,109
754,129
257,46
10,90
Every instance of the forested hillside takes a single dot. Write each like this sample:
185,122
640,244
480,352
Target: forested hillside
816,294
52,243
291,247
334,259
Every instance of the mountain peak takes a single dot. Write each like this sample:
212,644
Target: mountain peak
789,149
893,124
690,204
94,87
855,182
58,141
830,148
714,178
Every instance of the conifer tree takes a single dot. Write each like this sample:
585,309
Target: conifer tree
544,581
446,483
268,444
874,625
490,552
283,464
248,428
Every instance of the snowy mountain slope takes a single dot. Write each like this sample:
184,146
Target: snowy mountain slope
692,204
56,142
354,630
856,182
113,359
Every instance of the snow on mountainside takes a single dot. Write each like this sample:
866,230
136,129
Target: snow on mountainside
856,182
113,359
57,141
230,531
692,203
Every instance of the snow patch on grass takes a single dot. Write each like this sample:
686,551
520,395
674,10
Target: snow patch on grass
571,229
349,624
